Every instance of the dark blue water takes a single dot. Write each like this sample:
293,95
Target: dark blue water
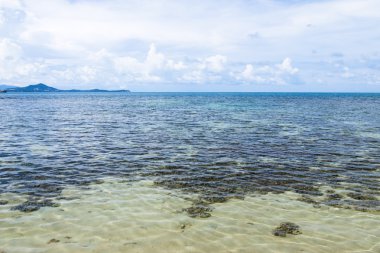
220,145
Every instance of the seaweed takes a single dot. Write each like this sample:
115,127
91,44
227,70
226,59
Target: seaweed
3,202
32,205
198,210
53,241
287,228
334,196
308,200
359,196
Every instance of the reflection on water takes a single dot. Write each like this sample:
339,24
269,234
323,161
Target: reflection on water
139,217
231,154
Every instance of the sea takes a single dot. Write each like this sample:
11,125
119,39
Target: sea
189,172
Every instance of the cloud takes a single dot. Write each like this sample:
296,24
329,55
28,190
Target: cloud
12,64
172,44
277,74
286,67
247,74
215,63
210,69
86,73
9,51
156,67
12,4
347,73
149,69
154,60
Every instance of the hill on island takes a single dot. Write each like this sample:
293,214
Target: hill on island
33,88
45,88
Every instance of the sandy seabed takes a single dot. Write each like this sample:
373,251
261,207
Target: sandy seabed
139,217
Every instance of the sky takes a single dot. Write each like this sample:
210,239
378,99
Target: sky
193,45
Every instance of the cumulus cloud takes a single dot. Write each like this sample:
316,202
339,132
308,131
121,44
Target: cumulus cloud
205,70
171,64
149,69
156,67
14,4
9,51
248,74
117,43
154,60
286,67
215,63
12,65
277,74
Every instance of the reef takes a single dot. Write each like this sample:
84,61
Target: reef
359,196
287,228
53,241
334,196
198,210
216,147
3,202
33,204
308,200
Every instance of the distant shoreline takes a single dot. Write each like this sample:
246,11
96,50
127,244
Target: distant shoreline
45,88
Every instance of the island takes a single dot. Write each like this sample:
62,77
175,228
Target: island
45,88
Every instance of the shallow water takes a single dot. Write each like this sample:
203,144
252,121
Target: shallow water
139,217
228,167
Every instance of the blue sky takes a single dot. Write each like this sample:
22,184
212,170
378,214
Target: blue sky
177,45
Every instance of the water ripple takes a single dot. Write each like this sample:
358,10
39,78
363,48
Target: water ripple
220,146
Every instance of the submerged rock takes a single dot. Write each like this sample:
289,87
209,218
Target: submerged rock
307,199
198,211
3,202
215,199
279,232
359,196
287,228
33,205
53,241
334,196
184,226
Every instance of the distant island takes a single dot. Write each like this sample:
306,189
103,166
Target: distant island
44,88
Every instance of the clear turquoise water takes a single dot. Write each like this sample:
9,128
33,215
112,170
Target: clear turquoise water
218,145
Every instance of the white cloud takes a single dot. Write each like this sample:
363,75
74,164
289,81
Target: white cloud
154,60
11,62
9,51
128,64
347,73
247,73
205,70
148,69
215,63
86,73
12,4
286,67
277,74
195,76
107,42
170,64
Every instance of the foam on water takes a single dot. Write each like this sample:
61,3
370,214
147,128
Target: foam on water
119,216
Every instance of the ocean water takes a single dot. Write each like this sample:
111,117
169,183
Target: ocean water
189,172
